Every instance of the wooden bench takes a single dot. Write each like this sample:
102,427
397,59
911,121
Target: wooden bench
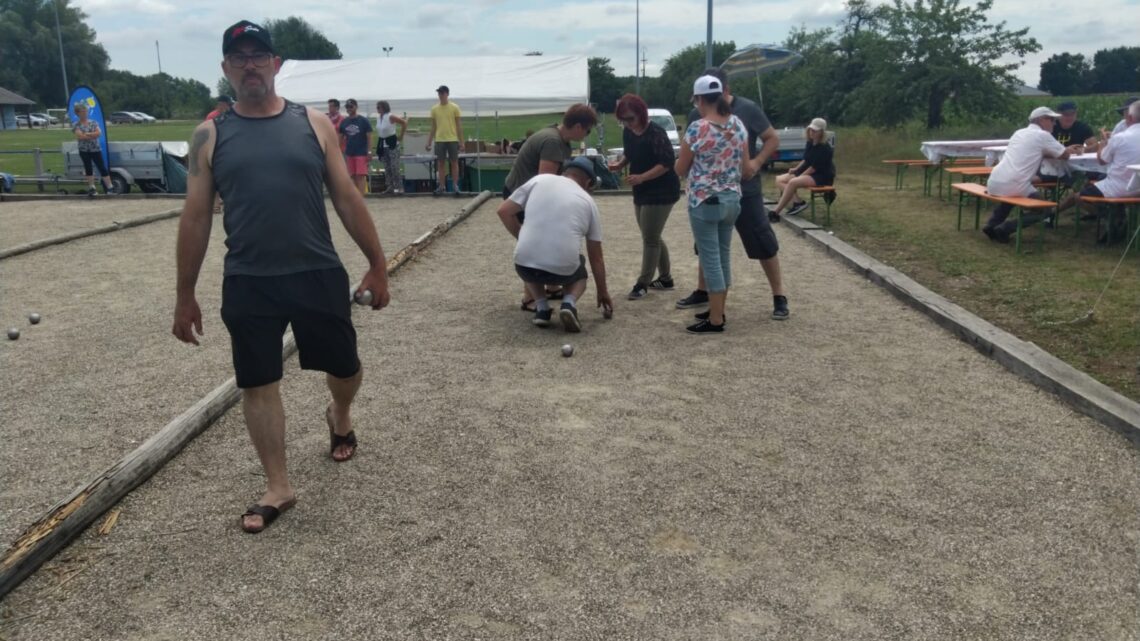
828,195
1131,207
900,171
1019,205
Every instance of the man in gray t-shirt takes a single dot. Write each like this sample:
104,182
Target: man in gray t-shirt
752,224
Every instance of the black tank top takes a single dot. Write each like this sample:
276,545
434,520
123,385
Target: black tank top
270,174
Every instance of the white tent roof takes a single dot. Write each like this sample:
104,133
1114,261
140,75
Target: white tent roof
510,85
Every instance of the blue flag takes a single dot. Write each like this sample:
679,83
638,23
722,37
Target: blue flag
86,95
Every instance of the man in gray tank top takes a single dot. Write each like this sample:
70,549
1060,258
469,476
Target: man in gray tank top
269,160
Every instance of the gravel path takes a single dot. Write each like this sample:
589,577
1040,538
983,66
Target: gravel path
853,473
101,372
26,221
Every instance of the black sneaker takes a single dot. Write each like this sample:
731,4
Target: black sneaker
638,292
705,327
773,216
780,308
569,316
1001,235
664,284
696,299
705,316
797,208
989,232
542,317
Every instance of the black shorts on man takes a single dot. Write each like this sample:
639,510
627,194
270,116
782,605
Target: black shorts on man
543,277
257,310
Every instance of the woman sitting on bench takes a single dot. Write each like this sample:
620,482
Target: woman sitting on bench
817,169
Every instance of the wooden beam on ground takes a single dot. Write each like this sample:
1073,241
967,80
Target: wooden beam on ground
84,233
69,518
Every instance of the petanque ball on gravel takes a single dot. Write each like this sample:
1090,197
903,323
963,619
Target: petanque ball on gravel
567,350
34,318
13,333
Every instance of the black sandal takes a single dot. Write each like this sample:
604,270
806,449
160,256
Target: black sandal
336,440
268,514
528,306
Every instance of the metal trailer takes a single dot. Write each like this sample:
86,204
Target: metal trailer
154,167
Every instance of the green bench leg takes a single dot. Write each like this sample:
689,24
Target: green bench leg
977,213
813,206
961,194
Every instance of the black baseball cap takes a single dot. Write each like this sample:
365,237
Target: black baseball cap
246,29
442,89
226,99
1127,102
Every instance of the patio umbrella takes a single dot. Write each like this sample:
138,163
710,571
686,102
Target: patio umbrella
758,59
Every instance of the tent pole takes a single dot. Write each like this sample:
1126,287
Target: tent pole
478,137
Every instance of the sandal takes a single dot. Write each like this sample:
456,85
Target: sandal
528,306
337,440
268,514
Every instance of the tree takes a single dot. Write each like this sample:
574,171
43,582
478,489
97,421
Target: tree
224,87
937,50
1066,74
605,86
296,39
159,94
29,50
1116,70
674,87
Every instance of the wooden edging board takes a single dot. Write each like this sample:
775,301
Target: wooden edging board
84,233
1084,393
68,518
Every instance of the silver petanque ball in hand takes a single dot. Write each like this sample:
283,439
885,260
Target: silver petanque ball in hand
567,350
363,298
13,333
34,318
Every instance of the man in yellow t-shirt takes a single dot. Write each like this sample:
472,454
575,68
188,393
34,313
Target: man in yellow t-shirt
447,133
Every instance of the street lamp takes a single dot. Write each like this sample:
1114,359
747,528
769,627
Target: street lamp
59,36
387,51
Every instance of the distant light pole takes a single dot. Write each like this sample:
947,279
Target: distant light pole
387,51
708,40
59,36
637,46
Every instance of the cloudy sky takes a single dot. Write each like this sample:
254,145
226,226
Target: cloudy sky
189,32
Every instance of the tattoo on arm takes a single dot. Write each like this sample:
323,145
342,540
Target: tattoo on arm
200,138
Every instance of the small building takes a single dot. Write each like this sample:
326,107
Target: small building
8,103
1026,90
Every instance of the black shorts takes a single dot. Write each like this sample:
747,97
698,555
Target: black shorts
543,277
257,309
754,229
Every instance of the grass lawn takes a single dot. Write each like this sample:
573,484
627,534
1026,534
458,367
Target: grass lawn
1032,295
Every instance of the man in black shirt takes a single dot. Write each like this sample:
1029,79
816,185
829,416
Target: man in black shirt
1070,131
752,224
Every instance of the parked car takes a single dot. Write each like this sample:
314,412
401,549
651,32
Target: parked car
22,120
665,119
124,118
145,117
51,120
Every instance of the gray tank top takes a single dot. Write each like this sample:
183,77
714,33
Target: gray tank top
270,174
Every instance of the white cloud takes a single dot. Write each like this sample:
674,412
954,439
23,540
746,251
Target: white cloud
153,7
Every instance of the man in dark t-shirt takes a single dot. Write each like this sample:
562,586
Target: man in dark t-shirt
271,159
356,136
752,224
1070,131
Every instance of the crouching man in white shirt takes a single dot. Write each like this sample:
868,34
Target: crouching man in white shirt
560,213
1014,175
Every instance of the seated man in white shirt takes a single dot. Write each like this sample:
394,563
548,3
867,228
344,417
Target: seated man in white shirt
1014,175
1121,150
560,213
1122,110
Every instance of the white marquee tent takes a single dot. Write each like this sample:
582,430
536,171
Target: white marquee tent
508,85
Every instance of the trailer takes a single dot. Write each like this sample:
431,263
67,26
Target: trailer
153,167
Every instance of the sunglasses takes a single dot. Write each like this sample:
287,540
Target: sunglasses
242,60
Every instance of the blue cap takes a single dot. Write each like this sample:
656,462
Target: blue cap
583,164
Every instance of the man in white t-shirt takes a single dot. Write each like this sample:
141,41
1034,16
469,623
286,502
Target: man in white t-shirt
1014,175
560,213
1123,111
1121,150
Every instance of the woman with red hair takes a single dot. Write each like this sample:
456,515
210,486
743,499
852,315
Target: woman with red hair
649,155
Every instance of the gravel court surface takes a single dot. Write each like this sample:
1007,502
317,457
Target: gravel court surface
27,221
853,473
102,372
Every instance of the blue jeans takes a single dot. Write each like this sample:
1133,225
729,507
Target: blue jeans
712,229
